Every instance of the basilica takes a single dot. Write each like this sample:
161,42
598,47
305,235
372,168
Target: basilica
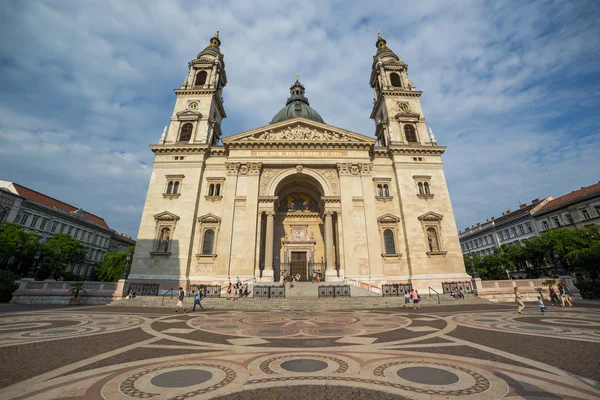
297,195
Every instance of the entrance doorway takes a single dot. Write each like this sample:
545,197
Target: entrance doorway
299,265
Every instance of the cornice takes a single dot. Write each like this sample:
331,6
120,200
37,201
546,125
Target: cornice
416,149
298,145
203,91
179,148
398,93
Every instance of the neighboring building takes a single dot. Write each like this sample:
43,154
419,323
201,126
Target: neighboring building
297,195
120,242
577,209
46,216
512,227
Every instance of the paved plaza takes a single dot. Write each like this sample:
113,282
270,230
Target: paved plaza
474,351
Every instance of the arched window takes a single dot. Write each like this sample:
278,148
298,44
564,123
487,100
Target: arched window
170,187
218,189
420,184
207,243
386,191
379,191
426,188
186,132
176,188
395,79
388,241
211,189
411,135
200,78
432,238
163,240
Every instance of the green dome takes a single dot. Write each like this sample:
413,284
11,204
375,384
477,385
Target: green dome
297,106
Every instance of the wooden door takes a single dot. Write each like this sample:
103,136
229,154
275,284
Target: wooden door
298,264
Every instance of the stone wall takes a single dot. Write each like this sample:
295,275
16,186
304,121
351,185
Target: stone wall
503,290
57,292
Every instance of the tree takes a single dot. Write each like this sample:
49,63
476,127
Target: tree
113,265
60,251
18,246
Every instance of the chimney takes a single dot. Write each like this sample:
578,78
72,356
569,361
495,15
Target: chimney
479,224
535,201
508,212
522,206
487,220
472,226
493,218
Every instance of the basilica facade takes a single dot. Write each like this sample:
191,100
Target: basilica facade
297,195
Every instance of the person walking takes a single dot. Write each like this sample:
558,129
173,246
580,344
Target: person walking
519,300
553,295
566,294
197,299
314,279
561,291
415,299
543,308
406,300
180,298
229,287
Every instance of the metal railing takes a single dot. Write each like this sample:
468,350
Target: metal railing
144,289
268,292
396,289
207,290
334,291
170,291
462,286
436,292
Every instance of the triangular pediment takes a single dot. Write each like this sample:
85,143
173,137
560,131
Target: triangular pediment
189,115
209,218
431,216
298,130
388,218
166,216
407,114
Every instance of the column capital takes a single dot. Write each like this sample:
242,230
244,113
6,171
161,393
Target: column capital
270,213
328,213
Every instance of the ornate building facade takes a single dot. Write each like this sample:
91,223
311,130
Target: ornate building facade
297,195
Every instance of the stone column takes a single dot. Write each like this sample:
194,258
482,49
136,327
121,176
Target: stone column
330,271
267,275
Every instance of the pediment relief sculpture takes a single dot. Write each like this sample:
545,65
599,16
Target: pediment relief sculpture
166,216
299,132
430,216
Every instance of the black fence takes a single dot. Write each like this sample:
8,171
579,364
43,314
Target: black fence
462,286
305,272
144,289
396,289
334,291
207,290
269,292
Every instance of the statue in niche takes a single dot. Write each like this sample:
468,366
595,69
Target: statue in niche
298,202
433,240
163,241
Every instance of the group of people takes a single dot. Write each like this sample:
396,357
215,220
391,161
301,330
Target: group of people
289,278
412,299
237,290
563,296
457,294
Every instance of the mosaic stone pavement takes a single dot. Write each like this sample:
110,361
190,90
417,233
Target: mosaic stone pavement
469,352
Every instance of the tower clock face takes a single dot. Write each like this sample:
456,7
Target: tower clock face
193,106
404,107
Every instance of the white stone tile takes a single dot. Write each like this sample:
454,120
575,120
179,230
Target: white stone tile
421,328
425,319
178,330
356,340
247,341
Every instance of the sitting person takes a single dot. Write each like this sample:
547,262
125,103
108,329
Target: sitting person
245,290
131,294
455,294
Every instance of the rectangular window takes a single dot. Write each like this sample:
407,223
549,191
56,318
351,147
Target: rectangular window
63,227
545,226
513,232
555,222
597,209
76,235
34,221
568,219
54,226
70,230
43,225
521,230
529,227
490,239
585,213
24,219
89,237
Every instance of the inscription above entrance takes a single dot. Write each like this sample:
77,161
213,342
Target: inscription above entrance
294,153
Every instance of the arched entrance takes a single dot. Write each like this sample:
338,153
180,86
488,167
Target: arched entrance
298,239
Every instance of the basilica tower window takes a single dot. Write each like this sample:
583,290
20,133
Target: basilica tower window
208,241
215,188
423,186
388,230
410,133
389,241
208,232
382,189
395,80
200,78
173,186
186,132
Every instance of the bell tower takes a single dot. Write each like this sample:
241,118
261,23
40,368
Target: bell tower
396,102
199,108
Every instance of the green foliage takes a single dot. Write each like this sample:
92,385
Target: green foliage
7,285
60,251
589,289
76,288
575,248
17,245
113,265
549,282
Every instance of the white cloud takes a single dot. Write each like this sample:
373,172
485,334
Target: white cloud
512,90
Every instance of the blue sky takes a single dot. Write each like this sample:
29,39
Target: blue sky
512,88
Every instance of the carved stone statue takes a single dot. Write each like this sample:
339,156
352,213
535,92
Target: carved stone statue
433,240
163,242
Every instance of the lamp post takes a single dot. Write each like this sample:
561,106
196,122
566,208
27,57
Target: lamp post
473,270
33,269
126,270
562,271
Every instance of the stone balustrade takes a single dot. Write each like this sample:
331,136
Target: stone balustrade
503,290
59,292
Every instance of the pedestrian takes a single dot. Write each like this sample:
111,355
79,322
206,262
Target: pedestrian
566,294
238,281
297,277
415,299
406,300
314,279
561,291
197,299
291,280
281,280
553,295
229,287
519,300
543,308
180,298
235,292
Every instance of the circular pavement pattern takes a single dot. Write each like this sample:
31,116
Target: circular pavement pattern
303,365
181,378
313,392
